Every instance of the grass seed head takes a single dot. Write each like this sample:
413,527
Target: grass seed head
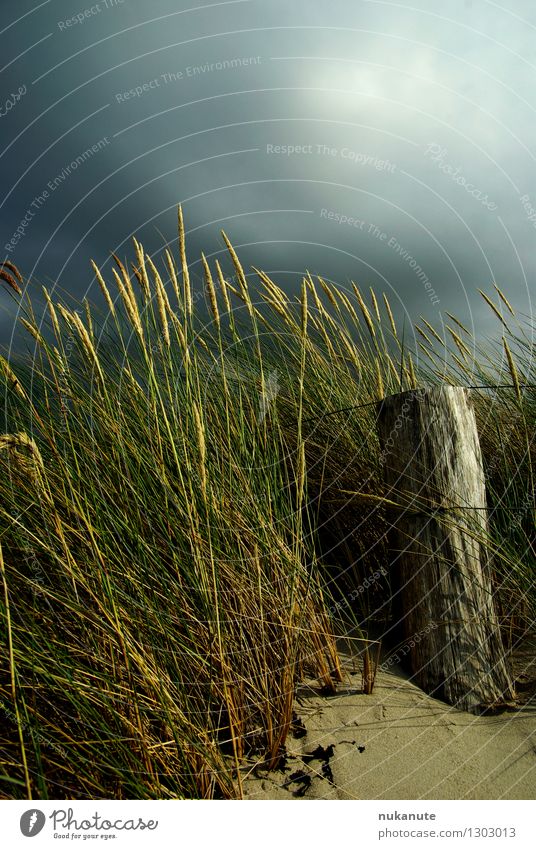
364,309
103,287
434,333
173,276
164,307
304,309
380,388
24,456
141,271
513,369
390,315
493,308
10,280
211,291
33,330
505,301
87,344
375,305
327,289
188,303
130,305
12,378
201,441
13,268
223,287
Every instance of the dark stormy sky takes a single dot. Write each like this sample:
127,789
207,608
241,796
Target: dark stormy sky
392,143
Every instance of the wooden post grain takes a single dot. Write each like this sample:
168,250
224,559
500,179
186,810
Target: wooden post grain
434,475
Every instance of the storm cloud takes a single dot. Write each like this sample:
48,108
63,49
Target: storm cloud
387,143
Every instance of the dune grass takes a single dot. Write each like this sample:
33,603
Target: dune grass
178,541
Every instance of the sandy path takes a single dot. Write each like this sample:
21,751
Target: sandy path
399,743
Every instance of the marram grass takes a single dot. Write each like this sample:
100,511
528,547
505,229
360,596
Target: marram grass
177,516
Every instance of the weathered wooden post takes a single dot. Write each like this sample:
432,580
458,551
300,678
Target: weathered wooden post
434,474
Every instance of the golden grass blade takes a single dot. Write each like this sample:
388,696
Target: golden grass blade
462,366
365,311
412,375
74,321
188,304
181,337
141,271
512,368
319,325
164,307
459,323
130,305
350,348
431,354
349,307
330,295
318,303
434,333
380,388
32,329
462,347
375,305
104,288
390,315
421,332
201,442
223,286
304,310
273,290
173,276
89,320
211,291
242,281
493,308
505,300
12,378
127,282
13,679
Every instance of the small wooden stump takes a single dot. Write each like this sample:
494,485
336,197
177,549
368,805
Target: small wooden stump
434,474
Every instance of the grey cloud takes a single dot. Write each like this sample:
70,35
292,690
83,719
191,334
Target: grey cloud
375,82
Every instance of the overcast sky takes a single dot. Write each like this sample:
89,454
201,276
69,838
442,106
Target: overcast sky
388,143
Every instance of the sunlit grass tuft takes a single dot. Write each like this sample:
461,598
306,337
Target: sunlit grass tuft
176,517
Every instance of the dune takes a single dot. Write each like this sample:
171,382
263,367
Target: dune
400,743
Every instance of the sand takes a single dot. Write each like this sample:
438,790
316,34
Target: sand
399,743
